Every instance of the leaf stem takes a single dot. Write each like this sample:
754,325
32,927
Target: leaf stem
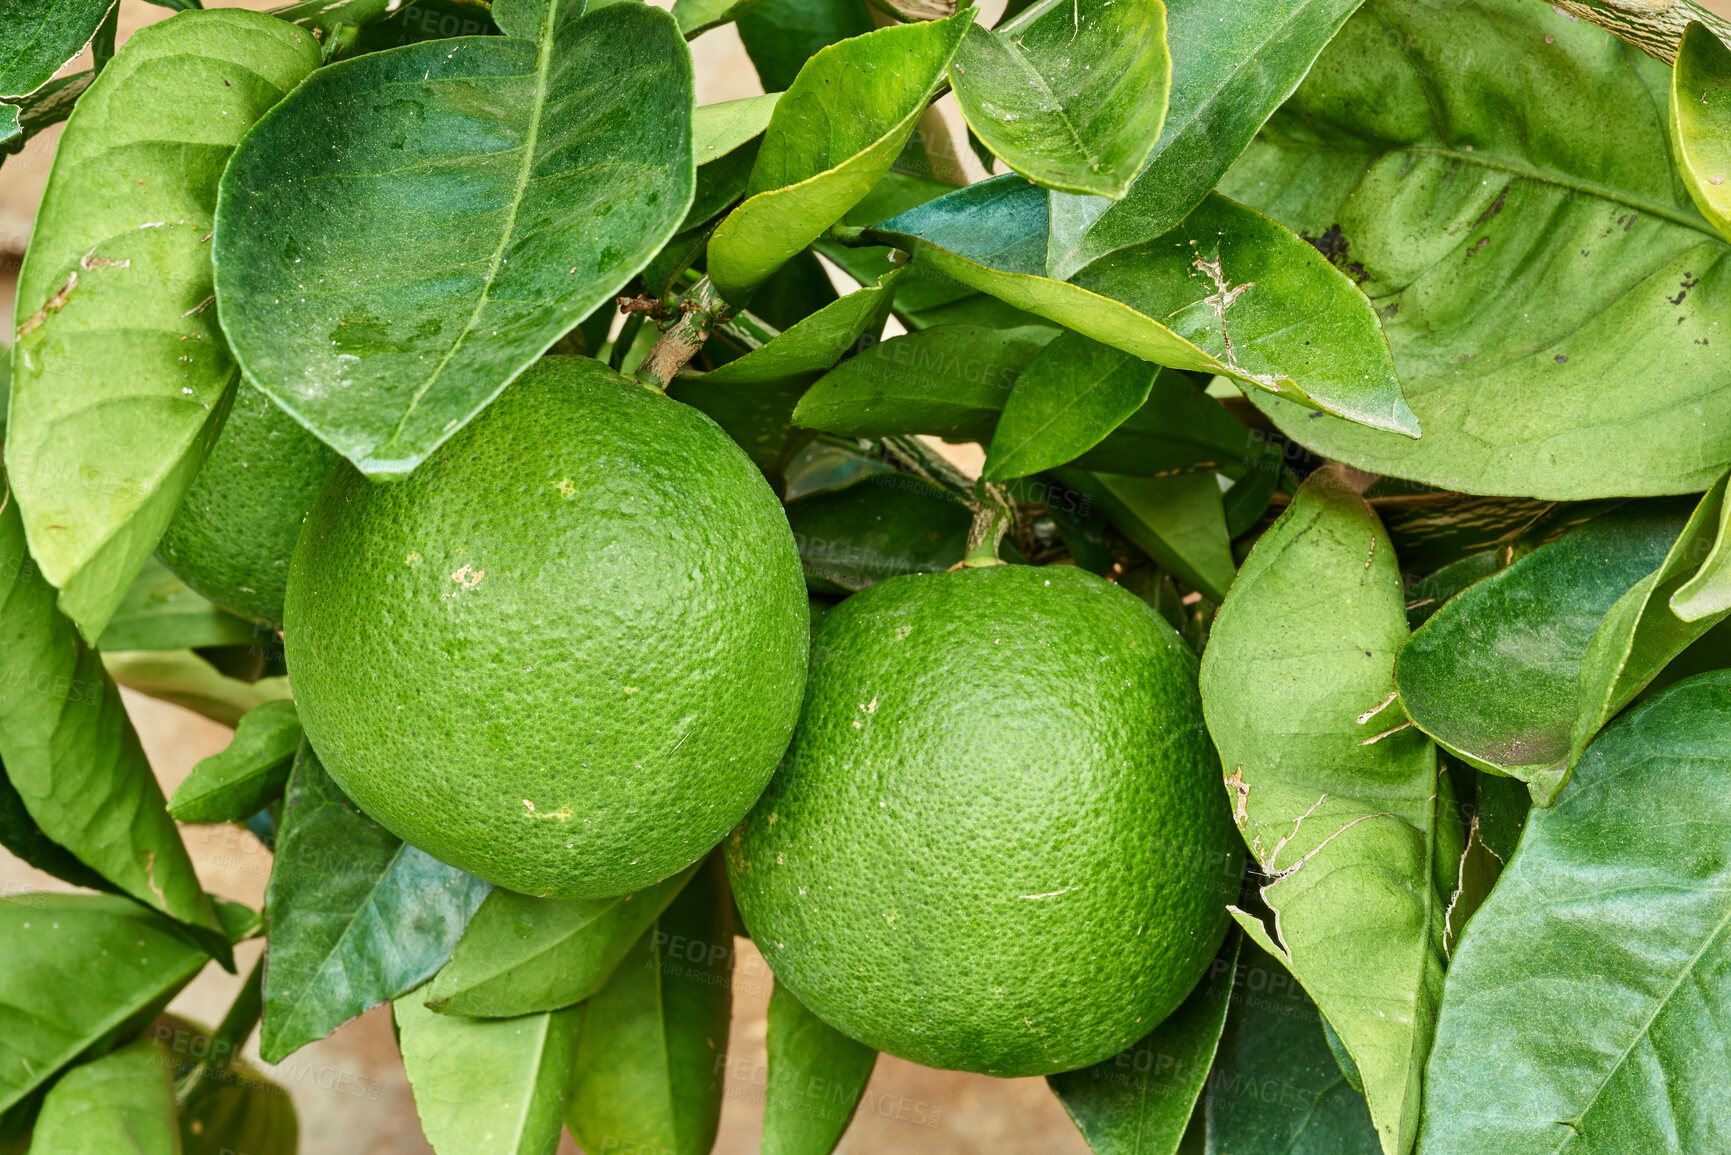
992,519
699,311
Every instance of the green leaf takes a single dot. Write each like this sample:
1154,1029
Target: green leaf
80,971
184,678
357,917
1071,99
1585,1006
251,1114
696,17
120,378
815,1080
394,247
159,612
647,1071
1701,122
1553,298
1139,1102
523,955
120,1104
1064,403
1179,521
1233,63
72,755
781,35
1335,799
20,835
1709,590
248,774
835,132
1495,675
752,397
883,525
1276,1085
493,1085
40,37
717,130
1227,291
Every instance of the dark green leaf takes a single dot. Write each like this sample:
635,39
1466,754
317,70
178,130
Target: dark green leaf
247,1114
1335,798
72,755
781,35
1139,1102
647,1070
426,20
1227,291
20,835
1070,95
248,774
882,526
1432,530
393,248
186,679
80,971
796,291
120,378
1073,393
1276,1086
1552,298
815,1080
120,1104
488,1085
1585,1006
826,464
1495,675
834,134
1233,63
522,955
1181,429
1179,521
1701,122
40,37
159,612
357,917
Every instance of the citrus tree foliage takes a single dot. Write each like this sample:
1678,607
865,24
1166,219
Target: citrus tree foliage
1375,350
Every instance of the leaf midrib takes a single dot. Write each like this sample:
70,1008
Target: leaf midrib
543,66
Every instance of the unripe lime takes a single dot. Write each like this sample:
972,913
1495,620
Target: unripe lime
566,653
998,842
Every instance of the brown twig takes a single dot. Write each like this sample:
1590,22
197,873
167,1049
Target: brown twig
699,311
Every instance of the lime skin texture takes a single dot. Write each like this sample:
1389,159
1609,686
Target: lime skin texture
566,653
233,535
998,841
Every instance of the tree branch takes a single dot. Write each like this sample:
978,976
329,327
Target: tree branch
699,311
1654,26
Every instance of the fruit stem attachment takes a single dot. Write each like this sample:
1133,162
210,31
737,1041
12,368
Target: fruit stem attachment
700,310
993,516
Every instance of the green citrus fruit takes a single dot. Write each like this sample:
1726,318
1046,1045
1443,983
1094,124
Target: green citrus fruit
998,842
566,653
232,537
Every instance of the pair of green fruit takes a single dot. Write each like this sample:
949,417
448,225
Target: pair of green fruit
568,653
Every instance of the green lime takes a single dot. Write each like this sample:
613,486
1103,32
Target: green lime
232,537
998,842
566,653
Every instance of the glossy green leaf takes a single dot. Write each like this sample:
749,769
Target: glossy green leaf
1179,521
827,464
357,916
1333,794
120,378
1585,1007
159,612
425,20
1180,429
1139,1102
815,1080
80,971
37,39
1552,297
753,397
20,835
1709,590
522,955
393,247
1233,63
882,526
1495,675
1064,403
1226,291
252,1114
647,1071
835,132
186,679
248,774
718,129
120,1104
781,35
1275,1084
1701,122
72,755
1072,96
493,1085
